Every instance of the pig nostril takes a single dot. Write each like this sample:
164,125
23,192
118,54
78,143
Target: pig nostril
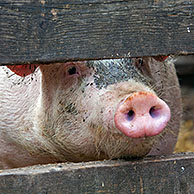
154,112
130,115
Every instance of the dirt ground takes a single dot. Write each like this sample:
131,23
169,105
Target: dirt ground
185,141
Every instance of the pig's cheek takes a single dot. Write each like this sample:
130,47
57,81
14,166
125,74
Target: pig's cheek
107,109
90,103
68,81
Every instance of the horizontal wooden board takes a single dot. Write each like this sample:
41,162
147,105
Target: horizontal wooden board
166,174
60,30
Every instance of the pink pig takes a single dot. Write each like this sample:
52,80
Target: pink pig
94,110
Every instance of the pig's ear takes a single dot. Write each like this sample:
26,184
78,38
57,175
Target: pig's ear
160,58
23,70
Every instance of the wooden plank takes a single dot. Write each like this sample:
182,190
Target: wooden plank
55,30
166,174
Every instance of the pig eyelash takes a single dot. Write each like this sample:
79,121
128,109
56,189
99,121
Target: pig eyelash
160,58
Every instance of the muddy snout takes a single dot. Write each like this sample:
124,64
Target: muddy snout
141,114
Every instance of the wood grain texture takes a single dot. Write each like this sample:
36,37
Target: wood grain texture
60,30
170,174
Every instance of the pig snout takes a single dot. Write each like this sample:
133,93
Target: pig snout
141,114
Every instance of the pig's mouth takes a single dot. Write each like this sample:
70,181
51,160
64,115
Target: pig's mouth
117,145
142,114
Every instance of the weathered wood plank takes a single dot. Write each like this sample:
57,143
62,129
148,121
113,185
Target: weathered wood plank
48,30
169,174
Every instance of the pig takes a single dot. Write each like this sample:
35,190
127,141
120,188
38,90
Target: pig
88,110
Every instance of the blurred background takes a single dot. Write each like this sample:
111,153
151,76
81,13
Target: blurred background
185,71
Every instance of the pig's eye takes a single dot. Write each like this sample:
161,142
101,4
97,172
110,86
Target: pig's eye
143,66
72,71
140,62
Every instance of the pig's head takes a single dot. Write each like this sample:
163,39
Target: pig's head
100,109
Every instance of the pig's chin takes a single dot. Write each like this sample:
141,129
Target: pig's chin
114,145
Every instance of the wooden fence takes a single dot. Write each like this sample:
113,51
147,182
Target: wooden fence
62,30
